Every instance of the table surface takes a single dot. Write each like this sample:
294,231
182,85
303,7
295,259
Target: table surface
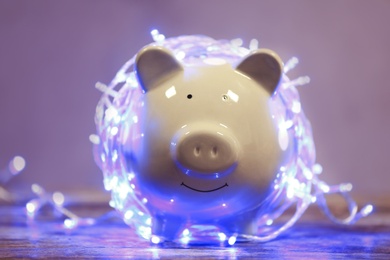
314,236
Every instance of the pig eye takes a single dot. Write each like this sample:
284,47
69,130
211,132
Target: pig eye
189,96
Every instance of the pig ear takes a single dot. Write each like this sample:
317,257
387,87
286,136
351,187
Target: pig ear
264,66
155,64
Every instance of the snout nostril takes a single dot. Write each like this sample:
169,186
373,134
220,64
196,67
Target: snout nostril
197,151
214,152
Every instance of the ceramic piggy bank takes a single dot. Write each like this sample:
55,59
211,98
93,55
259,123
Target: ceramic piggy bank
201,137
207,149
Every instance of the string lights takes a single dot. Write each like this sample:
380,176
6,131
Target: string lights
297,185
56,200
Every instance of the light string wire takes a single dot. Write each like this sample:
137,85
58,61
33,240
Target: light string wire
297,183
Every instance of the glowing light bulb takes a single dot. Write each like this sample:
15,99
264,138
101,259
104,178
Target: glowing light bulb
232,240
37,189
114,130
58,198
69,223
367,210
17,165
290,64
186,232
317,168
296,107
155,239
347,187
31,207
94,139
222,236
129,214
180,55
237,42
254,44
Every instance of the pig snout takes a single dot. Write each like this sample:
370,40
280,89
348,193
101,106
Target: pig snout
205,150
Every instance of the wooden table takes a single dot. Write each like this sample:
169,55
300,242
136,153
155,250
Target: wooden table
313,237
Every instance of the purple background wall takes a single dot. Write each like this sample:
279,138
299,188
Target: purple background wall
52,53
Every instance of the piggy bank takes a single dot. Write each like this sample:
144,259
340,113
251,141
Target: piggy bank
204,139
207,149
